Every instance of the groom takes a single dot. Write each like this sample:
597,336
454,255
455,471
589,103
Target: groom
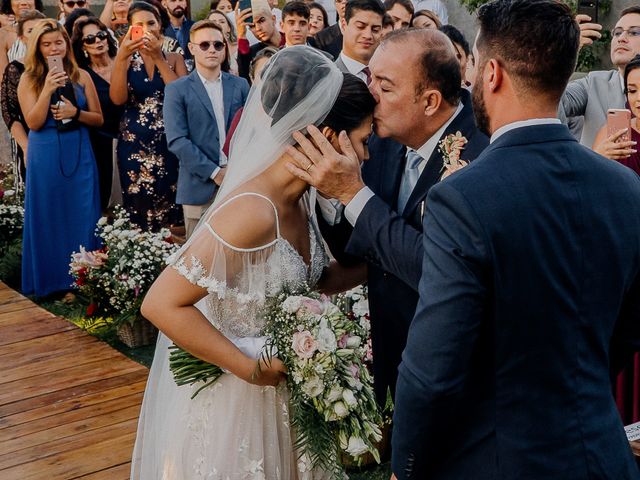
415,80
531,283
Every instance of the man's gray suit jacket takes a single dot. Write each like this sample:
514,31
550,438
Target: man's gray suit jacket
591,97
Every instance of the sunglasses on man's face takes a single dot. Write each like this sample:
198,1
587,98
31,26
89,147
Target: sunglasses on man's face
205,46
73,3
91,39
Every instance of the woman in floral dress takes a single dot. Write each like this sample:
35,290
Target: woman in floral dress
148,171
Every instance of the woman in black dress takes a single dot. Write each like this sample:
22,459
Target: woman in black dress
95,51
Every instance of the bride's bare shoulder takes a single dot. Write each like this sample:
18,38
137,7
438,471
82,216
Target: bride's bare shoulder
246,221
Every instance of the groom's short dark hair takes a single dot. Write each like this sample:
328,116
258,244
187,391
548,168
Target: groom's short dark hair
354,6
536,41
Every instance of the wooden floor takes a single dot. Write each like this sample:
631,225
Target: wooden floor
69,403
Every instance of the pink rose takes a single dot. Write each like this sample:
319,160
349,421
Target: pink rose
342,341
312,306
304,344
355,371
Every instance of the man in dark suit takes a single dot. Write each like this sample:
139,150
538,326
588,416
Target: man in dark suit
200,108
531,282
330,39
415,79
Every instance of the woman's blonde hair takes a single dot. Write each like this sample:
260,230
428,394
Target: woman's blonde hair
36,66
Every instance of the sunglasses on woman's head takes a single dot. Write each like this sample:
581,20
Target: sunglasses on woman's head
91,39
204,46
73,3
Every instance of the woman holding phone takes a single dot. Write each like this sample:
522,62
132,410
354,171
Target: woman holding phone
62,202
615,146
148,171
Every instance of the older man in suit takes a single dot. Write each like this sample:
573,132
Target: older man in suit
416,81
531,282
592,95
198,109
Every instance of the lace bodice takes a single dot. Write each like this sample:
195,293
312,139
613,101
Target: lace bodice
236,300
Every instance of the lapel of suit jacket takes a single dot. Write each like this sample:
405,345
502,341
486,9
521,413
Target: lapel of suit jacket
433,170
201,93
227,96
616,94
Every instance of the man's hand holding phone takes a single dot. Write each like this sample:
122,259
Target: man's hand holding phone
589,31
244,19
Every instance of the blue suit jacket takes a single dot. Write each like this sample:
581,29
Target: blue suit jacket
390,242
531,278
192,132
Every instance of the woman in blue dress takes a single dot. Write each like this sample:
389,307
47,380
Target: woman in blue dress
62,203
148,171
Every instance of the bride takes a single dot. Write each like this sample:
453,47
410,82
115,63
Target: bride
258,237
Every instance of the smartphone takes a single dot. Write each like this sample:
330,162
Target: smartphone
55,61
589,7
137,32
244,4
617,119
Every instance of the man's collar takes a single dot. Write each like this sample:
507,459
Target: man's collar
352,65
204,80
430,145
522,123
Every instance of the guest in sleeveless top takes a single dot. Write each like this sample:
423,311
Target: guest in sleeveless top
95,50
148,171
62,202
11,112
11,47
627,384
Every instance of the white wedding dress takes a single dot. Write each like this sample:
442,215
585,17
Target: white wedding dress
232,430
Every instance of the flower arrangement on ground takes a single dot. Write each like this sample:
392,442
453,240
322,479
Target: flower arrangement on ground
116,277
332,401
11,225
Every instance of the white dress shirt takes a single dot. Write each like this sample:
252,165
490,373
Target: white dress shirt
358,202
354,67
215,93
523,123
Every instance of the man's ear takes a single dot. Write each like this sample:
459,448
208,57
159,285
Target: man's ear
431,100
493,75
343,25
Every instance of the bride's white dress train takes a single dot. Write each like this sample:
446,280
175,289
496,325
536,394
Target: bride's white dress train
232,430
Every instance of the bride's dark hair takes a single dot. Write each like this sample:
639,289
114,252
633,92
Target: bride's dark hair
353,104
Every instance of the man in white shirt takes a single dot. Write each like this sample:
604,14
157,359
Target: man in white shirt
295,23
200,108
361,33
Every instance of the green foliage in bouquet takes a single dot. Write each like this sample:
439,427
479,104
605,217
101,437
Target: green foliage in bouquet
116,277
11,226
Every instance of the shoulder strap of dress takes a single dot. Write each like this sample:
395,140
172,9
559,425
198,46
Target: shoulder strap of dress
244,194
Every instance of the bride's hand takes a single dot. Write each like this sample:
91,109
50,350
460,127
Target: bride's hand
268,373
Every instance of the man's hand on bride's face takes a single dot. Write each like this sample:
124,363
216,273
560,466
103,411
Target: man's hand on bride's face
268,373
336,175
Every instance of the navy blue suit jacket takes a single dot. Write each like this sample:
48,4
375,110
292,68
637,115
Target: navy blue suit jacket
531,273
192,132
391,243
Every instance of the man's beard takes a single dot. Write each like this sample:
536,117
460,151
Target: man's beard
480,108
178,12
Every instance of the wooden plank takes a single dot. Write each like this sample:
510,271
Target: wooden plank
51,429
78,391
25,316
43,344
119,472
82,461
70,404
15,305
41,327
65,444
48,348
55,364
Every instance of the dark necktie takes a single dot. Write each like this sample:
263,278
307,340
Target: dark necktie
367,72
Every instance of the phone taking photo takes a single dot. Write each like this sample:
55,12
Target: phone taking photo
617,119
55,61
137,32
590,8
244,4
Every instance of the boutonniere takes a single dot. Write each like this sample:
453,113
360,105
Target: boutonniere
451,148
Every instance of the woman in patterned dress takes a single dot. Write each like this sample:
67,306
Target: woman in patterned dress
148,171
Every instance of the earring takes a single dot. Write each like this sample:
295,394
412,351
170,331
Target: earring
86,55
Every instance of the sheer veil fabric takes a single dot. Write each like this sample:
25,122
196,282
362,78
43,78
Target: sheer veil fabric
235,430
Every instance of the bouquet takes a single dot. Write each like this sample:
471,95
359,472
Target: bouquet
116,277
332,401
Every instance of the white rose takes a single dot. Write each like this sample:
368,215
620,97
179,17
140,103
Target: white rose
361,307
334,394
292,304
108,228
340,409
118,223
325,338
9,193
313,387
353,342
356,447
349,398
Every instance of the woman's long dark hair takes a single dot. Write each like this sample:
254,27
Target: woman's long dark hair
631,66
317,6
76,41
353,105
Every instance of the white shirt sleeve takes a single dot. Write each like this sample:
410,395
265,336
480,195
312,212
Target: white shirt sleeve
215,172
354,208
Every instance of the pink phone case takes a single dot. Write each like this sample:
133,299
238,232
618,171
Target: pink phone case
617,119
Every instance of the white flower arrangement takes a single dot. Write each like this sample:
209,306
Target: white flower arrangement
117,276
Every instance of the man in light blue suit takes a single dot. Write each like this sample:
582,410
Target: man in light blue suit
530,292
198,110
